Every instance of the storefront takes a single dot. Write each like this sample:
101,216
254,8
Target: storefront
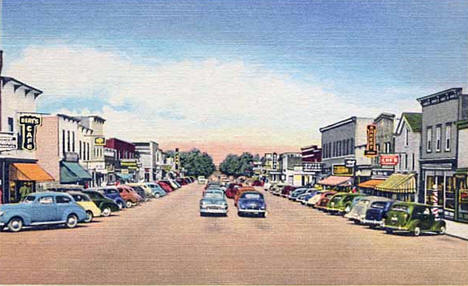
400,187
20,178
73,173
368,187
461,195
343,184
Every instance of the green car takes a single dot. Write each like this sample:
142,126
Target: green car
413,218
342,203
106,205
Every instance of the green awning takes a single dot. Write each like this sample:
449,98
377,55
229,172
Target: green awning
72,172
462,171
124,176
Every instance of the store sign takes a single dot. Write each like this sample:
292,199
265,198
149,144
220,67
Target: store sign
99,141
389,160
275,161
129,164
71,157
29,125
8,142
350,163
311,167
371,148
342,171
177,159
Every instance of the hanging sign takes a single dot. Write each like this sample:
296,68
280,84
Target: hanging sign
371,148
29,125
177,159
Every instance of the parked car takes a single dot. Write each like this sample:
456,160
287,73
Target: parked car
257,183
87,204
231,190
201,180
341,203
376,213
142,188
157,190
307,195
40,209
113,194
413,218
240,191
140,191
173,184
359,210
213,202
251,202
324,199
294,194
287,190
106,205
315,198
129,195
165,186
277,189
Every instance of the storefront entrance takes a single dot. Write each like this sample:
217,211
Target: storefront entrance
461,203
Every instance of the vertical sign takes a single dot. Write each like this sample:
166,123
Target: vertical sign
29,125
371,148
177,159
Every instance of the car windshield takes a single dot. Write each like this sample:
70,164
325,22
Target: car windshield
252,196
336,198
213,196
401,208
378,205
29,199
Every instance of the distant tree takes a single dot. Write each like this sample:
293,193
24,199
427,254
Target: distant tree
234,165
197,163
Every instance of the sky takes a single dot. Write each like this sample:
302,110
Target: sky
234,76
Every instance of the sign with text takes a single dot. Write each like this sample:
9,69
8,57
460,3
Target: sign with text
350,163
342,171
8,142
177,159
99,141
29,124
371,148
275,161
389,160
128,164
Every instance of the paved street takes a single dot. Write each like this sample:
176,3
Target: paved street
167,242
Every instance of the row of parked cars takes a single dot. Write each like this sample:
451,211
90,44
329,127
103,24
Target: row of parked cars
72,204
373,211
247,199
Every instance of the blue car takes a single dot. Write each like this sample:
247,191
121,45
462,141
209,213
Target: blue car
113,194
253,203
42,209
305,197
376,214
157,190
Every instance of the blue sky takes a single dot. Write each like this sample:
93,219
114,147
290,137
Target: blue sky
367,52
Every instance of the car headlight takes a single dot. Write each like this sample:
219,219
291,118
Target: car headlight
2,213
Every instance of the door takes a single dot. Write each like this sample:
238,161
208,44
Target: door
44,209
63,203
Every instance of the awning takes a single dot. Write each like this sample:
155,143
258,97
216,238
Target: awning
124,176
398,183
29,172
72,172
371,184
335,181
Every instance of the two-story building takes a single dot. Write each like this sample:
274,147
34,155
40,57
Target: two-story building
439,137
290,164
461,175
311,164
148,156
127,167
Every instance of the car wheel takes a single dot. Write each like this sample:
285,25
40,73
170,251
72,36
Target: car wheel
72,221
347,209
121,205
239,214
389,231
15,224
129,204
202,214
264,215
417,231
106,212
89,216
442,230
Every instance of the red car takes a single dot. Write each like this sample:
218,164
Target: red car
166,187
324,199
129,195
231,190
287,190
257,183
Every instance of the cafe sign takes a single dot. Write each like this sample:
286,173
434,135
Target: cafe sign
342,171
29,124
371,147
388,160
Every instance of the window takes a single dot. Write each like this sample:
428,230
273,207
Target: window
448,132
406,136
63,200
73,141
11,124
352,146
438,140
87,151
80,149
63,142
412,161
46,200
406,161
429,139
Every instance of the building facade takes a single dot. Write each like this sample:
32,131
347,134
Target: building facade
461,175
311,164
149,156
127,167
438,162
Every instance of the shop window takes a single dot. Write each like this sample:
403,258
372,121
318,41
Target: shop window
450,193
448,132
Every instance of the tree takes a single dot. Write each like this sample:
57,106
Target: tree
234,165
197,163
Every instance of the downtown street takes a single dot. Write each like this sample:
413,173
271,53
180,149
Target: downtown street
166,241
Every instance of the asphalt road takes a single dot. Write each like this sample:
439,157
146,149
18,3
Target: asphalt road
167,242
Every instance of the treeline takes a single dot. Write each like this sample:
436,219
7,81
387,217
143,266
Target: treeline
235,165
195,162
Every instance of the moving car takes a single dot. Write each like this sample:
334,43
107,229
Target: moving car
213,202
130,197
240,191
341,203
87,204
376,213
113,194
413,218
42,209
231,190
251,202
106,205
359,210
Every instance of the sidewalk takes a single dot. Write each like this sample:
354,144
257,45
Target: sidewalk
457,229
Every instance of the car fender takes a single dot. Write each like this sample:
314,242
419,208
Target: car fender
414,223
26,217
80,212
438,224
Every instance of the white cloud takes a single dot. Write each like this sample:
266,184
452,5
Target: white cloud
190,100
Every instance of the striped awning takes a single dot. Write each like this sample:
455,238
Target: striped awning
398,183
371,184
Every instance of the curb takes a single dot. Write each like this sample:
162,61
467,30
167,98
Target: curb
457,236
